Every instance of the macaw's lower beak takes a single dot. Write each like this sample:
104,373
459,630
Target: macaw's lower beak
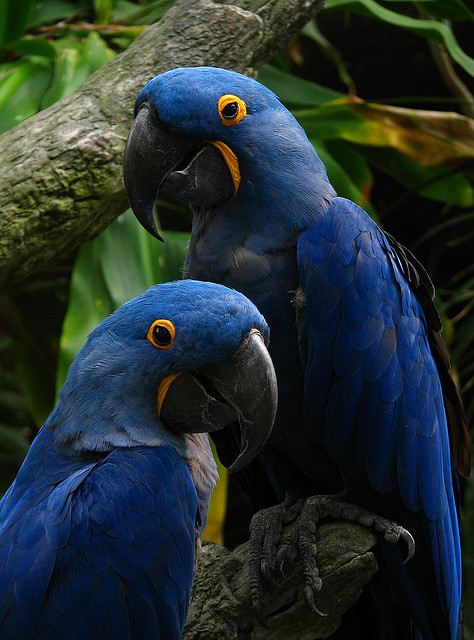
181,167
241,389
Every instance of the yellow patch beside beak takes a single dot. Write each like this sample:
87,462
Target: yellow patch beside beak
230,160
163,389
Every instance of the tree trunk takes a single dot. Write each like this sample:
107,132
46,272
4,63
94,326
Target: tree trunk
61,170
221,607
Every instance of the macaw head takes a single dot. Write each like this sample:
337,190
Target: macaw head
182,358
216,139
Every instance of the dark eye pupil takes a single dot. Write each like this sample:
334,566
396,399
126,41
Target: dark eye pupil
230,110
161,335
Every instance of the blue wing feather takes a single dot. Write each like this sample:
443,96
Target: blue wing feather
373,392
112,538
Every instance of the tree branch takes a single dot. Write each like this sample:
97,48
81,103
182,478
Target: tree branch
62,168
221,604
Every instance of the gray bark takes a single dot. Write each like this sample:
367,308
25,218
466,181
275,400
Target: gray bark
221,607
61,170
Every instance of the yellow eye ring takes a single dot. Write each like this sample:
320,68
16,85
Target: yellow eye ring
231,109
161,334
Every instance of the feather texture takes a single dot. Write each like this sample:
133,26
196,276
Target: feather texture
366,401
98,530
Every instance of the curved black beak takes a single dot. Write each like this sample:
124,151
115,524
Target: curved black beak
241,389
181,167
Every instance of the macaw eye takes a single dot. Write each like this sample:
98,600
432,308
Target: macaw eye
161,334
231,109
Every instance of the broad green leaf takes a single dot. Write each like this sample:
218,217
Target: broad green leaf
89,304
3,21
432,182
118,265
430,138
353,163
103,11
140,14
432,29
75,62
445,9
22,87
14,16
295,91
341,180
132,260
32,46
46,11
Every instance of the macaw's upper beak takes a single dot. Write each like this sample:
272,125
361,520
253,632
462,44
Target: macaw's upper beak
241,389
181,167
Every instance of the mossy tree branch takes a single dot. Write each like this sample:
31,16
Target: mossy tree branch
221,604
62,168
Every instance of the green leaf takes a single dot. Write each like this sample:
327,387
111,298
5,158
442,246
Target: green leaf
89,304
214,529
131,13
3,21
430,138
103,11
47,11
75,62
342,181
432,29
434,183
32,46
22,87
329,50
132,260
14,17
445,9
118,265
353,163
294,91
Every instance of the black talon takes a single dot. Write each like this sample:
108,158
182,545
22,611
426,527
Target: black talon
258,608
267,572
280,558
410,542
309,599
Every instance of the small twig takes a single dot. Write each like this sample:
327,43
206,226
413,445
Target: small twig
451,79
108,30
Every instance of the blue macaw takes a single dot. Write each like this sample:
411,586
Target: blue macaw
99,530
366,401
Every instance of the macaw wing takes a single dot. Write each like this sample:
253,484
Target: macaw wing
373,394
109,551
27,553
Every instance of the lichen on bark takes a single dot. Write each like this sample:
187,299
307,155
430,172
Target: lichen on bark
62,168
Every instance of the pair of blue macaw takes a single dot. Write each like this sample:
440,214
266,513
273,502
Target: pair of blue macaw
99,531
366,401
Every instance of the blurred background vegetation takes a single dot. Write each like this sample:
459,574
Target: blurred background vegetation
384,91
